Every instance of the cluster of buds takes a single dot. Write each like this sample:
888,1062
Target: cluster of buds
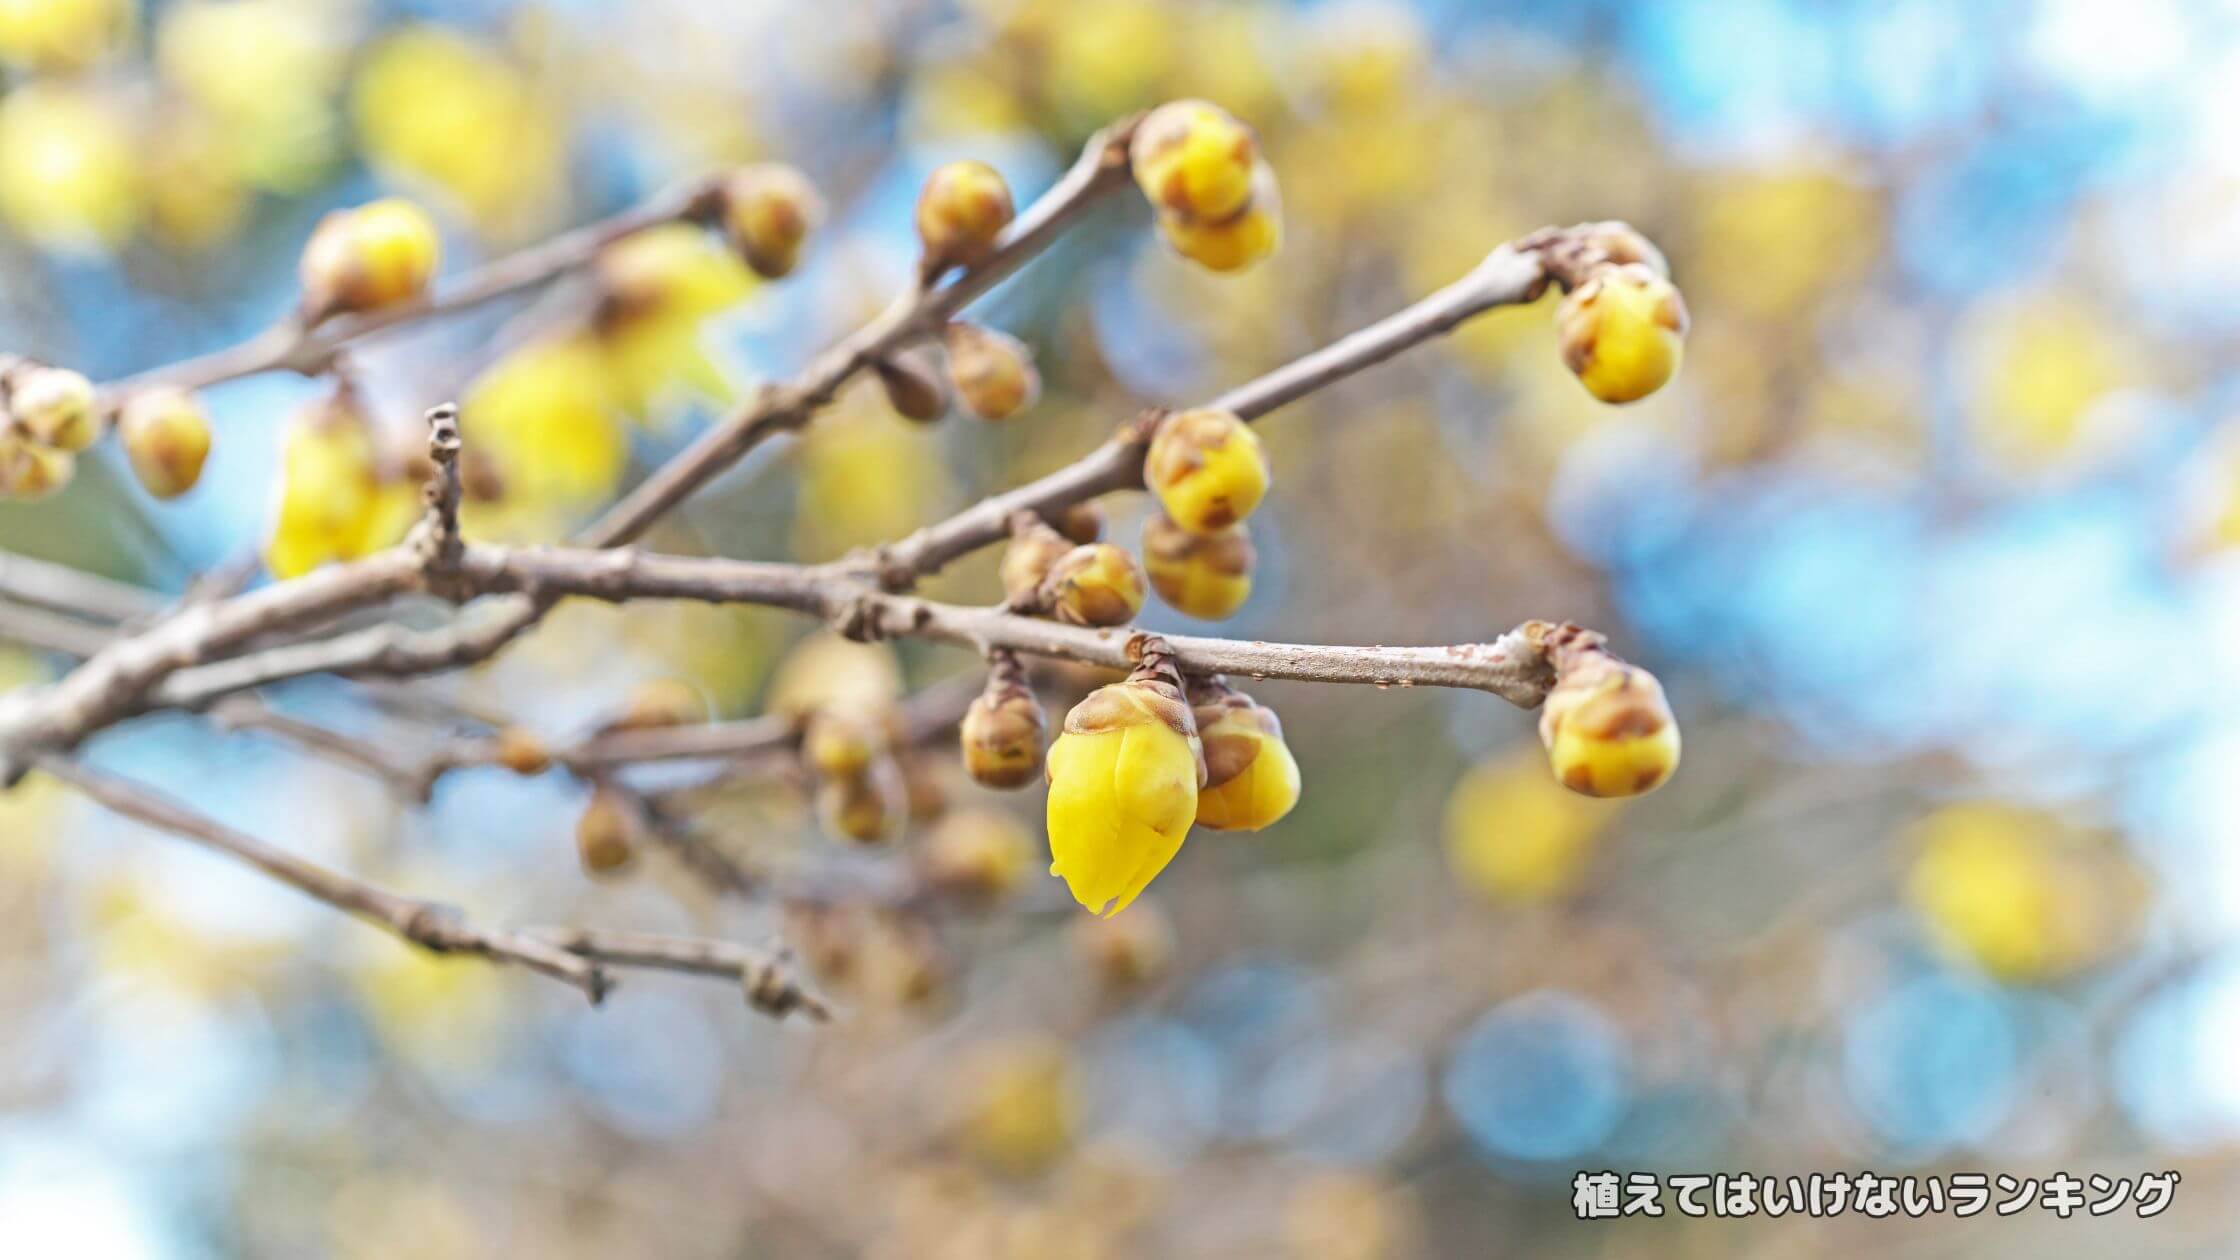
992,372
1622,324
1252,780
166,437
47,416
1003,731
767,210
1215,195
1082,584
962,211
376,255
1606,724
1124,777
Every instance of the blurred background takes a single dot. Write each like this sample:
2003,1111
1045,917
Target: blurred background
1935,543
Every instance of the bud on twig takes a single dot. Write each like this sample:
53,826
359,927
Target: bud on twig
1607,726
1621,332
1097,585
869,806
609,832
769,208
993,373
1207,468
1124,778
167,437
1251,777
1003,731
53,406
962,210
1200,575
1034,550
377,255
32,470
912,388
1195,160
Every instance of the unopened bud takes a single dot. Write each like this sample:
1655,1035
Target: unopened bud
1195,160
1608,728
1199,575
838,742
1002,732
608,833
1028,558
32,470
1081,522
1207,468
1251,778
54,406
768,210
167,437
1097,585
522,751
868,807
376,255
963,208
1237,242
1124,777
1621,332
993,372
912,388
978,853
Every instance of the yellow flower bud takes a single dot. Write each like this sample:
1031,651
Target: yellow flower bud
1621,332
1207,468
841,741
522,751
167,438
1097,585
868,807
1195,160
912,389
660,702
608,832
1251,778
993,373
1002,732
963,208
376,255
32,470
769,208
1034,550
1237,242
55,406
977,853
1608,729
1126,951
1124,779
1200,575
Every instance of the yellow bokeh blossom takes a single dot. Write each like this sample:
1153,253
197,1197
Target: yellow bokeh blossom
1513,834
69,168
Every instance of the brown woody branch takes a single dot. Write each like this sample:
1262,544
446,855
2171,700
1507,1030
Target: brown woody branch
580,958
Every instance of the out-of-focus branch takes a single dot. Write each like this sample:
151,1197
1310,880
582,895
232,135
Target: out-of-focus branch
292,346
60,588
1510,275
580,958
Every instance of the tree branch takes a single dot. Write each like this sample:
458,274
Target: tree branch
580,958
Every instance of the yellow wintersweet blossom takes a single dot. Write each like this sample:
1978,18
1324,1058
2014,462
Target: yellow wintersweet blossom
334,502
1252,780
69,171
1020,1102
1515,834
1235,243
1193,158
2039,365
440,109
545,416
62,34
1124,778
375,255
266,71
658,287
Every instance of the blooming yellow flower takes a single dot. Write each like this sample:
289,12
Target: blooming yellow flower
1124,780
